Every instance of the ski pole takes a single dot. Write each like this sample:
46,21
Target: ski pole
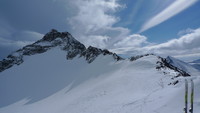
186,95
192,96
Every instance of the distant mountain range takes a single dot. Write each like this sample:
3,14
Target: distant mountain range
196,64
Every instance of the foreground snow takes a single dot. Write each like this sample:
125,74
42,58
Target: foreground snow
48,83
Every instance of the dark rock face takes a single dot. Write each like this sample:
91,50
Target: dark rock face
91,53
52,39
9,62
33,49
133,58
54,34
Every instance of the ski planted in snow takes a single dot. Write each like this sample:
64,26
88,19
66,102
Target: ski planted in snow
191,96
186,96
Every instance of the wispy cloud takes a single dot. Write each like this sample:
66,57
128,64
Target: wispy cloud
172,10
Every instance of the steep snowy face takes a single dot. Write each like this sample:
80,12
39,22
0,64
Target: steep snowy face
180,65
63,40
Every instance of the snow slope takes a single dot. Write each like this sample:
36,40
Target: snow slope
48,83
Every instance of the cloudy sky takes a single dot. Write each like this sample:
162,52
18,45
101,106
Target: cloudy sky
127,27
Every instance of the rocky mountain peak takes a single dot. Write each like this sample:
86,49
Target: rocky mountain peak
53,34
64,40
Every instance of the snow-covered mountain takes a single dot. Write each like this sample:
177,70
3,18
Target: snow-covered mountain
53,39
58,74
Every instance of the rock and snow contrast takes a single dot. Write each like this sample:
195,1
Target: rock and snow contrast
182,65
58,74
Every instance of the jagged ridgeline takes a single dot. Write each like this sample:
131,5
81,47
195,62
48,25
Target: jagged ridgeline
64,40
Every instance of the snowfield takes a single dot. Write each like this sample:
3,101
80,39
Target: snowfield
48,83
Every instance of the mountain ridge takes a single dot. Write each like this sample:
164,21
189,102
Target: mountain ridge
73,48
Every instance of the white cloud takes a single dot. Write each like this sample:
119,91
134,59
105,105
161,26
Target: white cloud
188,44
185,31
172,10
93,22
97,41
94,15
135,40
